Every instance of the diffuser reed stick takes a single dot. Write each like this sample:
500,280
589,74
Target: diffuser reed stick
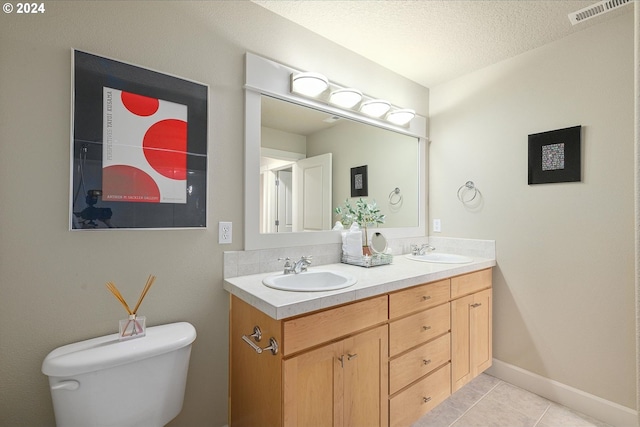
114,290
147,286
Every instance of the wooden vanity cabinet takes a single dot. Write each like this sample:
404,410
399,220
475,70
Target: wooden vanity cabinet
471,325
382,361
331,369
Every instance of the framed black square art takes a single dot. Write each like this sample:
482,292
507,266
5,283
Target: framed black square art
555,156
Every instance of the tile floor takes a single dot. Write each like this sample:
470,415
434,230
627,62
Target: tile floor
489,402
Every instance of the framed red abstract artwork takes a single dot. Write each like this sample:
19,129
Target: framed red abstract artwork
138,147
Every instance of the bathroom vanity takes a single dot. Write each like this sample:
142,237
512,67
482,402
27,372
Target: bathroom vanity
382,352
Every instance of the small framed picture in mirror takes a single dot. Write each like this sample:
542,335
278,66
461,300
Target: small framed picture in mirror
359,181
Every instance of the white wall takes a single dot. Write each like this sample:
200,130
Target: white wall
52,280
564,284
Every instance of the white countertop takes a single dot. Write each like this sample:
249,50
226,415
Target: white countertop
379,280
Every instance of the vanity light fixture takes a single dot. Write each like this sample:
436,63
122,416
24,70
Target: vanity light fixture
316,86
345,98
401,117
308,83
375,107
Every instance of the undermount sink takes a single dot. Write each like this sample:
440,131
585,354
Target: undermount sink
441,258
310,281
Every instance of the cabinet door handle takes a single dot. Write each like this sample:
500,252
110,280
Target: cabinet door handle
426,297
351,356
426,361
426,328
426,399
478,304
341,359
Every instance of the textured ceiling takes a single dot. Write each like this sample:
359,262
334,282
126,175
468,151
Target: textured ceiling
433,41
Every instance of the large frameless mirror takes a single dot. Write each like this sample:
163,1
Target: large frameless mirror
298,142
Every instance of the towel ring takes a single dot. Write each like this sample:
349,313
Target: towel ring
395,198
467,187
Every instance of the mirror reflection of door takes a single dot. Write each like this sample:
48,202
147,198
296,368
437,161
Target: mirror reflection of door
312,193
296,195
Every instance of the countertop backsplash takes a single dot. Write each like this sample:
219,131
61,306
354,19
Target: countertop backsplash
243,263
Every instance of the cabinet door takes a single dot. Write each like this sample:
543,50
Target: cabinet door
470,337
481,333
460,342
341,385
313,388
366,379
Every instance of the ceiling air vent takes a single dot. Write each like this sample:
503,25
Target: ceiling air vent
596,10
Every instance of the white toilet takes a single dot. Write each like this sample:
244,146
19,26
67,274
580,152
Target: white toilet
103,382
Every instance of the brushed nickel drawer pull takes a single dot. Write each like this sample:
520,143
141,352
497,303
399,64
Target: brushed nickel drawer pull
426,297
351,356
426,361
426,328
426,399
478,304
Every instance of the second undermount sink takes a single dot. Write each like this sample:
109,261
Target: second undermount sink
310,281
441,258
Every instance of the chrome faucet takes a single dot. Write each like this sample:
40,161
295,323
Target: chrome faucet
296,267
422,249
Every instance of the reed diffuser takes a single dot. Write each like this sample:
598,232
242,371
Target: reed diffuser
134,326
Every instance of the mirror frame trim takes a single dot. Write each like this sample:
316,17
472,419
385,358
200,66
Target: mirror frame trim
266,77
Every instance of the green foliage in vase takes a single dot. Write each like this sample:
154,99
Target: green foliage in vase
364,213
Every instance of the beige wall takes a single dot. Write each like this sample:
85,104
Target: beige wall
564,285
52,280
391,160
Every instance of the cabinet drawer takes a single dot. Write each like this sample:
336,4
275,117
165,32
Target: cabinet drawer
470,283
412,403
314,329
418,298
418,328
419,362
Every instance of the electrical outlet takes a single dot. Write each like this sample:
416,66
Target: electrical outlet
437,227
224,232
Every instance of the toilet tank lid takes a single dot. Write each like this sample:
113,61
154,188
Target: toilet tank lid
107,351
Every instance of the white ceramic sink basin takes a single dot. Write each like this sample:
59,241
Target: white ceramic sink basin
310,281
441,258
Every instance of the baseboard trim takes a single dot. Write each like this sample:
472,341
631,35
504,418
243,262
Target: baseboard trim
578,400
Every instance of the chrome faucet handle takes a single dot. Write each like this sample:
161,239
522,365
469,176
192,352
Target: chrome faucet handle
414,249
306,262
426,247
302,264
288,266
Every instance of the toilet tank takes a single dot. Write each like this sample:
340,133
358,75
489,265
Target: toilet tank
104,382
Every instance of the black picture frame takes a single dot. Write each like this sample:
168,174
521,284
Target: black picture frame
359,182
555,156
93,77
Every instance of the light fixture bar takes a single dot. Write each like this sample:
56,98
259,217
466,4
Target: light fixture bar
317,86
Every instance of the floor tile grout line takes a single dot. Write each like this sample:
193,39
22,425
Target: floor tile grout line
543,414
476,402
